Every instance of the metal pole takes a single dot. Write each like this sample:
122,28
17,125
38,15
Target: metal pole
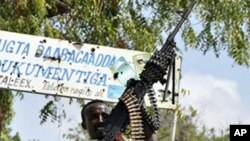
174,125
178,61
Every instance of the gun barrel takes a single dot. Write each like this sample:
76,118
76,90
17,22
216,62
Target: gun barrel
172,35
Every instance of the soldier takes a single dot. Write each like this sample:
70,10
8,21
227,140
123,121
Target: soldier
93,115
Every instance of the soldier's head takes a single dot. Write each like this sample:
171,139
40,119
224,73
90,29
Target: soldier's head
93,115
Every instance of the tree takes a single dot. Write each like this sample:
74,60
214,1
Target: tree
189,127
6,114
6,111
134,24
140,25
76,133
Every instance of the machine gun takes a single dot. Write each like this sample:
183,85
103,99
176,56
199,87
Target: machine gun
130,108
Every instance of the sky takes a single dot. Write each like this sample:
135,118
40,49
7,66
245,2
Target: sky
218,90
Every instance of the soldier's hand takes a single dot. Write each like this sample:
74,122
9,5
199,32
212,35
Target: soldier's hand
120,137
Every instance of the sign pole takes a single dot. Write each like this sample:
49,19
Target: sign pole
173,132
176,110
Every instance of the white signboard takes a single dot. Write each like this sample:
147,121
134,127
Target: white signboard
58,67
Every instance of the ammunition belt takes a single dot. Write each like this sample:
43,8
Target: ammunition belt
153,118
135,115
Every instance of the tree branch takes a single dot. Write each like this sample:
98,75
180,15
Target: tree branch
60,8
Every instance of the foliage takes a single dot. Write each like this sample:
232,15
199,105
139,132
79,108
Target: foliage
76,134
6,114
135,24
6,111
48,111
7,137
189,128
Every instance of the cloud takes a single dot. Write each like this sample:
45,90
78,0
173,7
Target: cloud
217,100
